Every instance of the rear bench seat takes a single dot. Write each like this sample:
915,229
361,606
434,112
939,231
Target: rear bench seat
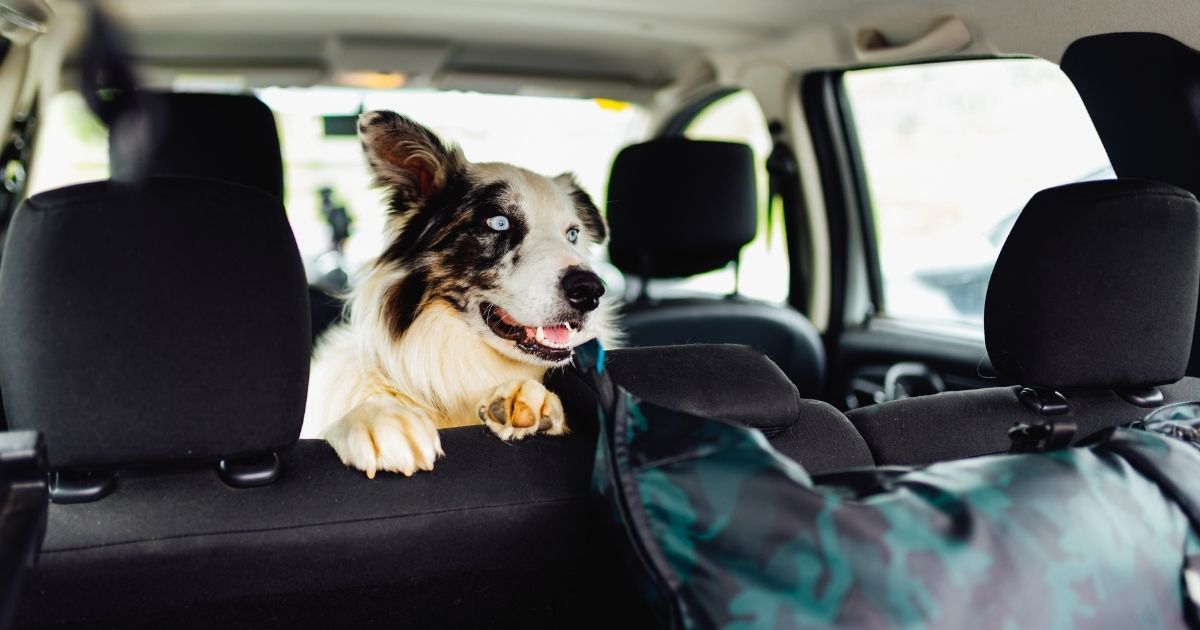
144,339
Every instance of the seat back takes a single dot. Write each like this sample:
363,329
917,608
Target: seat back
677,208
1090,307
138,328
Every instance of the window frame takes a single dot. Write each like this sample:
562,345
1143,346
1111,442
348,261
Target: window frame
677,123
858,206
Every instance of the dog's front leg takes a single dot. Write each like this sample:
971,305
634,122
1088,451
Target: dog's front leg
522,408
383,434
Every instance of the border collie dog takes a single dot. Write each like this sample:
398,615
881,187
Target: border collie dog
484,285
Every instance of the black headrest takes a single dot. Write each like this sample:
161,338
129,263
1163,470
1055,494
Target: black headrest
1096,287
228,137
1141,91
680,207
139,326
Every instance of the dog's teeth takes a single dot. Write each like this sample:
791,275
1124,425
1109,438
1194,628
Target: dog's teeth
541,334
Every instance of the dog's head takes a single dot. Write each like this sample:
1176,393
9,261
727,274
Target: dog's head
504,247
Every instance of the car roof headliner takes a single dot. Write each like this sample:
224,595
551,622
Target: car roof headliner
643,44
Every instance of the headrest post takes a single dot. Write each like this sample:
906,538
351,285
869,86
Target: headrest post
644,278
1148,397
70,486
1046,402
737,277
249,472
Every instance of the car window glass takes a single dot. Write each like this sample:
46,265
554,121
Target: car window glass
327,172
951,152
764,261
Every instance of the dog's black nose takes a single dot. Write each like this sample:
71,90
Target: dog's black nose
583,289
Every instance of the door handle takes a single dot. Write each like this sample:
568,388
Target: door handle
911,378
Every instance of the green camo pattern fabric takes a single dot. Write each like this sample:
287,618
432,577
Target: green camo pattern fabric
727,533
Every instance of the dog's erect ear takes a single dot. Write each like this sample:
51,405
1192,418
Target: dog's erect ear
407,157
588,213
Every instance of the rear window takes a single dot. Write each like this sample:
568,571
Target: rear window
545,134
951,152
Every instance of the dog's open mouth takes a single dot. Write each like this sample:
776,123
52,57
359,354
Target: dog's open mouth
549,342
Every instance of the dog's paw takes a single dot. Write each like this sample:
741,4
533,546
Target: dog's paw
385,435
522,408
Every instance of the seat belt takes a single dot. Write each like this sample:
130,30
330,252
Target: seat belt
14,164
783,183
110,89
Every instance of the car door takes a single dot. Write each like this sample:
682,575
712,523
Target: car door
924,170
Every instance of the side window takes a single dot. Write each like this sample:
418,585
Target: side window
764,262
72,145
951,152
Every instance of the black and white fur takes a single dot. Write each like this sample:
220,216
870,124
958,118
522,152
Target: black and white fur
479,255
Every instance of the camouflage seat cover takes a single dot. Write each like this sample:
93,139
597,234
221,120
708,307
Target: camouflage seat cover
722,531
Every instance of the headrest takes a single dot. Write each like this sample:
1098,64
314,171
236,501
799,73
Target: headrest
1141,91
1096,287
680,207
228,137
139,326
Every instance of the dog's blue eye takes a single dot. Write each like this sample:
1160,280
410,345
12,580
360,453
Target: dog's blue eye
498,223
573,235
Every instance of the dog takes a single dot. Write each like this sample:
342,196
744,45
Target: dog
484,285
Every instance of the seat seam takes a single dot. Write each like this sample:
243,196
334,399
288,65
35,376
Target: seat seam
309,525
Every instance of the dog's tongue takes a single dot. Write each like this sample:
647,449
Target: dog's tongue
557,334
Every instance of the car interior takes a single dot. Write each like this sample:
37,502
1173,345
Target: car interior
883,234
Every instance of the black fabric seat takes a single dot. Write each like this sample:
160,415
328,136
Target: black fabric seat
678,208
146,341
227,137
1093,296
